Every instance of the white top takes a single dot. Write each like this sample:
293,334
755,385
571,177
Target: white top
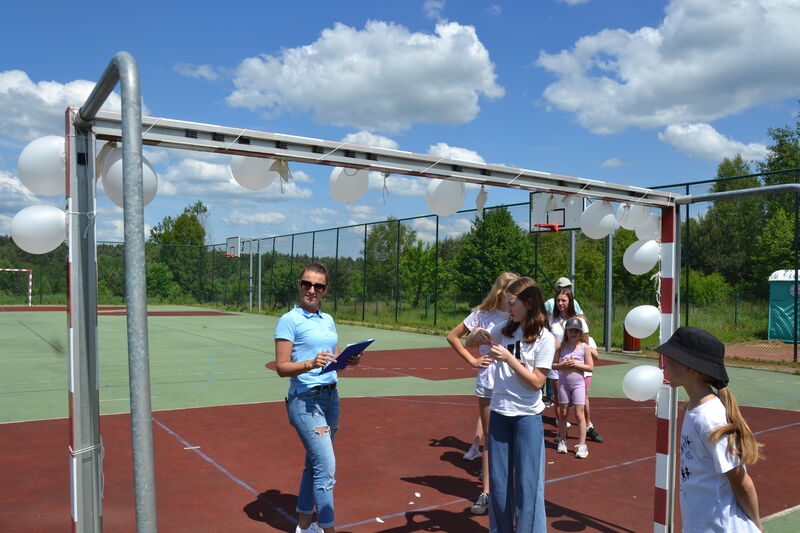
485,320
707,500
591,344
511,396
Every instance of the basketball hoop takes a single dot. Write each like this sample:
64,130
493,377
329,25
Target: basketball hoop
551,227
223,254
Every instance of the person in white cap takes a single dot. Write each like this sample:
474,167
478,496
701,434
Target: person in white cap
561,283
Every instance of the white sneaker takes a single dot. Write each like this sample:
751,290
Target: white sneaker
569,425
581,451
473,453
562,446
313,528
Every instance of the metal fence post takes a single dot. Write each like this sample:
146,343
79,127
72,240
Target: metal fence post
364,280
397,278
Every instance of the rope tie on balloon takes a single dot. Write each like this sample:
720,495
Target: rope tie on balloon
90,216
639,200
101,456
657,282
385,191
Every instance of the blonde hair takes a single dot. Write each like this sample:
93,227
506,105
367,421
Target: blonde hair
741,440
492,300
527,290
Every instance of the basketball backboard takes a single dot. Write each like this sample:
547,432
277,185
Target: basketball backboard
549,209
233,246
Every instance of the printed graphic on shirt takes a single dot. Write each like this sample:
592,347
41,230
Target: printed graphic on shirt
516,350
686,455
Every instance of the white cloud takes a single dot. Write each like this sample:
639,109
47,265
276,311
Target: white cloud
206,72
366,138
14,195
5,224
383,77
398,184
494,10
708,59
322,216
573,2
454,152
254,218
301,177
433,9
214,179
703,141
113,230
360,213
37,109
614,162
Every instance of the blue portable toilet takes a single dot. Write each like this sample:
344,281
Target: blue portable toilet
782,288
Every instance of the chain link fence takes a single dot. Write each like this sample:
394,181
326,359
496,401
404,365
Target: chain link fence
429,271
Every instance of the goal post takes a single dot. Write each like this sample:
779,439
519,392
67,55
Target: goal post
30,280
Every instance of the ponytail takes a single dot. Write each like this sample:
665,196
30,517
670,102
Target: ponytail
741,440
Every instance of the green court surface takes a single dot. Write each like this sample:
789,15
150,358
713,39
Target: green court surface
199,361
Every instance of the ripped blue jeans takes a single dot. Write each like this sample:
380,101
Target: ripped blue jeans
315,416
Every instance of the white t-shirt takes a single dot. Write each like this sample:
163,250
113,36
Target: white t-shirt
486,320
511,396
591,344
708,503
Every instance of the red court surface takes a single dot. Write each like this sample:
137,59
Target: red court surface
435,364
237,468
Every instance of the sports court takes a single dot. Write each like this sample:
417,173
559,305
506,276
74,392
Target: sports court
227,460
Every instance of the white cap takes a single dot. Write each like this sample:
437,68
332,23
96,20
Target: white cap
563,282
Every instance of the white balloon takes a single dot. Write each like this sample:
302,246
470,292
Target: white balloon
631,215
650,229
348,184
445,197
641,256
39,229
112,178
642,321
642,382
41,166
598,220
252,173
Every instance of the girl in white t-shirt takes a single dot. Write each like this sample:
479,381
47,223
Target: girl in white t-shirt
492,310
522,350
717,494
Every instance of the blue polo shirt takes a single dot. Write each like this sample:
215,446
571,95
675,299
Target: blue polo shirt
310,334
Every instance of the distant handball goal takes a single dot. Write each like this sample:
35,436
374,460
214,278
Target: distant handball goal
782,290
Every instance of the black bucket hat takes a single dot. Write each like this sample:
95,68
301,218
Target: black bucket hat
699,350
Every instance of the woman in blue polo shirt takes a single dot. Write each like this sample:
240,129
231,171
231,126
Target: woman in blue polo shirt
305,342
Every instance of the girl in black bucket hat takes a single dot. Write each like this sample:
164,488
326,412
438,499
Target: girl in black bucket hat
716,492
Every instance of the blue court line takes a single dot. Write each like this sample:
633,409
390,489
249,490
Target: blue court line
225,471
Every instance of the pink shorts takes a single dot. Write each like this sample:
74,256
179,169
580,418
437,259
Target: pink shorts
588,381
571,389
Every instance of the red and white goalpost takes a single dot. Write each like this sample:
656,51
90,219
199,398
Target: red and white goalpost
30,280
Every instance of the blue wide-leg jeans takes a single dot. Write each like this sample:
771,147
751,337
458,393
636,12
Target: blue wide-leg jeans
516,474
315,416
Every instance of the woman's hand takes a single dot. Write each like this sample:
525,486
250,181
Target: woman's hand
354,360
320,361
479,336
484,361
500,353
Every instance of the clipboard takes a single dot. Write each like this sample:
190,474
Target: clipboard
351,350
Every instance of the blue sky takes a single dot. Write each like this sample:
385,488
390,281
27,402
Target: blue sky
638,92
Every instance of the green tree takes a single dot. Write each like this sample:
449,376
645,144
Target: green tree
783,153
385,243
774,248
186,228
417,267
494,244
725,240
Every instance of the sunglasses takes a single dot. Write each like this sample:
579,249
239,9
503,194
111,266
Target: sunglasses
306,286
